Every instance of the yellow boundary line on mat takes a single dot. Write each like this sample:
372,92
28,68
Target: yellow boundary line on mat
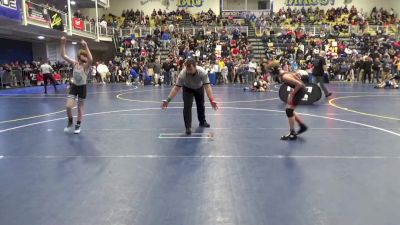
332,103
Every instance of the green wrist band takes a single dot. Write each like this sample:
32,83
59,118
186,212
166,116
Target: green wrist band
169,99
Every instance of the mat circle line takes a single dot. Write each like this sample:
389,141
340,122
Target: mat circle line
159,102
332,103
252,109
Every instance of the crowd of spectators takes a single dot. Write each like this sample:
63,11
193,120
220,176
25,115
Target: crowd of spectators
133,18
210,47
22,74
296,49
228,56
340,18
317,16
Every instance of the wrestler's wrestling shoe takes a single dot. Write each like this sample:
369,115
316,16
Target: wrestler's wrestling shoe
290,137
303,128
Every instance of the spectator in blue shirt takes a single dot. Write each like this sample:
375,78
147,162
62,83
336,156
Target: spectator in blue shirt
166,38
134,76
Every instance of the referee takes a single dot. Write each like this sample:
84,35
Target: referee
193,80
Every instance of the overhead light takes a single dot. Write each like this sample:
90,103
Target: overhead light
74,42
40,37
73,2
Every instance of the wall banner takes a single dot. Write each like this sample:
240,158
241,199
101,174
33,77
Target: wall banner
78,24
309,2
190,3
10,9
56,21
37,13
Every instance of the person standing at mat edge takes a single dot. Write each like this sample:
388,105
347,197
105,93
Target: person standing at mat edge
193,80
78,86
47,72
319,70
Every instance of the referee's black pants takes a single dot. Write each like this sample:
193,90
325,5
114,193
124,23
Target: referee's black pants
188,95
46,77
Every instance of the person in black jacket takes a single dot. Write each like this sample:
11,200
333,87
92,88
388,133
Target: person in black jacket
367,66
167,66
358,66
320,68
376,67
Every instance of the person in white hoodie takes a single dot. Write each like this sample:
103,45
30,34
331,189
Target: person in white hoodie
215,70
252,71
171,28
224,73
94,73
102,69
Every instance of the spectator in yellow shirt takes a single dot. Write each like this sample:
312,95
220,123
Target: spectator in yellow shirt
221,64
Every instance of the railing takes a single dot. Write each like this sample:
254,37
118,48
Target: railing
11,78
308,29
87,27
318,29
144,31
28,77
107,32
42,15
66,74
90,28
389,29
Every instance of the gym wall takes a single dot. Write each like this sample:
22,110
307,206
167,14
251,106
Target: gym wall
39,50
117,6
395,4
53,51
12,50
365,5
241,5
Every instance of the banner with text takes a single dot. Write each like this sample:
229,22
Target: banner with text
37,13
309,2
189,3
10,9
56,21
78,24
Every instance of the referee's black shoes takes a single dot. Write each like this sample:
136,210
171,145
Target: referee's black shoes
205,125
